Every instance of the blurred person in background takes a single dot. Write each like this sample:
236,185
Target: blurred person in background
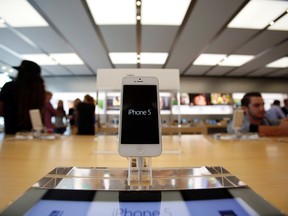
72,113
86,116
17,97
60,118
285,107
255,119
275,112
49,112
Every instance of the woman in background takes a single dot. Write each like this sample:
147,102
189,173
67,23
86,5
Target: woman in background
21,95
49,112
60,118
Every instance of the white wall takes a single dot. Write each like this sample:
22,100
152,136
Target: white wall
187,84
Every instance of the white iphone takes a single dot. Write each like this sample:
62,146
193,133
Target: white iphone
140,127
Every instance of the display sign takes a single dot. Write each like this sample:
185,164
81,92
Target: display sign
223,201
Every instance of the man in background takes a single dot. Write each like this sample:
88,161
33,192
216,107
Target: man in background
255,120
275,112
285,107
86,116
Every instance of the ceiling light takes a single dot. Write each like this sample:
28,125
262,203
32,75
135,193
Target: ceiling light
5,68
123,58
138,3
54,59
67,58
113,12
163,12
20,14
132,58
153,58
258,14
271,23
209,59
138,59
41,59
281,24
280,63
236,60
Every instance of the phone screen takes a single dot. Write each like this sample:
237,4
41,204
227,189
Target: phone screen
140,123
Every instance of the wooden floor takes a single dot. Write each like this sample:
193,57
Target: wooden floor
261,164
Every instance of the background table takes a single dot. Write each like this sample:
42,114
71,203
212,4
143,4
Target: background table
261,164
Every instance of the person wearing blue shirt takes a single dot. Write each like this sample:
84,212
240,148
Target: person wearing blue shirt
275,112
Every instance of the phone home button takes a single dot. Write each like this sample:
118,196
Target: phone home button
140,150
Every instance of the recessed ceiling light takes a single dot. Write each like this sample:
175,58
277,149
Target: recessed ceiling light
54,59
113,12
153,58
280,63
20,14
41,59
271,23
123,58
236,60
131,58
281,24
67,58
258,14
209,59
163,12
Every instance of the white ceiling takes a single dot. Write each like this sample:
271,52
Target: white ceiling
72,30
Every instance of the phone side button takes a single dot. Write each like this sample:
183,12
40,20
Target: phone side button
140,150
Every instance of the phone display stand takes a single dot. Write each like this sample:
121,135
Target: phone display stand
237,122
139,171
237,133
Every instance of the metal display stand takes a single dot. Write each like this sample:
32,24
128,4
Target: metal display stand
139,171
103,178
